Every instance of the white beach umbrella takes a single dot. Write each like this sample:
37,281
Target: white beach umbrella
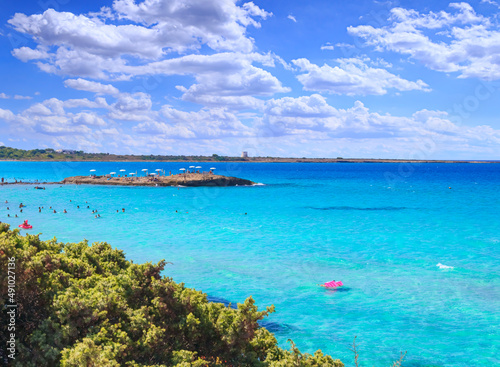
191,166
92,170
213,168
131,173
182,169
198,167
113,173
123,170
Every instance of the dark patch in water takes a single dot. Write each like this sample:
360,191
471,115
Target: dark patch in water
339,289
275,327
354,208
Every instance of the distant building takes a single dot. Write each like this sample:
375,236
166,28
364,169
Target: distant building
244,154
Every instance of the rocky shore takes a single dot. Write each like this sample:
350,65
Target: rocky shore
183,179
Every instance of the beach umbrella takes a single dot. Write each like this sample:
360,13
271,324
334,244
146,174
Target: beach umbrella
122,170
198,167
212,168
131,173
92,170
191,166
145,170
182,169
113,173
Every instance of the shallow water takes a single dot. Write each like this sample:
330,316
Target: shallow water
380,228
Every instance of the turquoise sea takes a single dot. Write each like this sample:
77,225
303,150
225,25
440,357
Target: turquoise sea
380,228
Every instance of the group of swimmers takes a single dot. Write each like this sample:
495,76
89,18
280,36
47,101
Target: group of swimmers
21,206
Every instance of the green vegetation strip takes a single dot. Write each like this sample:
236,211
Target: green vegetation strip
81,305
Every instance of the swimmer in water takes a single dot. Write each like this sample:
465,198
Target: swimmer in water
65,211
55,211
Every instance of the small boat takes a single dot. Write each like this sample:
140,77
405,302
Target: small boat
39,188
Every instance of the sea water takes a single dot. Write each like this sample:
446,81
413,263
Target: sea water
416,246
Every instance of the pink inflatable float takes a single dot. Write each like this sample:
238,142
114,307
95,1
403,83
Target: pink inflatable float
25,225
333,284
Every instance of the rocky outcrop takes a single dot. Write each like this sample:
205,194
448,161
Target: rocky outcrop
187,179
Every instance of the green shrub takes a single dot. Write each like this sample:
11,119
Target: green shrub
81,305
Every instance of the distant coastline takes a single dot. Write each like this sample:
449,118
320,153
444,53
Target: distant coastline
117,158
51,155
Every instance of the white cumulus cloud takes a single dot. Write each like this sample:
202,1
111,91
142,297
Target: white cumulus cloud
90,86
471,47
352,77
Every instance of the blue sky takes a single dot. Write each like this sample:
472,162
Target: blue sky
375,79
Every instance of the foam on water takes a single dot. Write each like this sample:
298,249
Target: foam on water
442,266
308,224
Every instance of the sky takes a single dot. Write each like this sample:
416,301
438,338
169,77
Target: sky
324,78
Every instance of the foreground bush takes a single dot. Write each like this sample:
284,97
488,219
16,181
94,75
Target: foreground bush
81,305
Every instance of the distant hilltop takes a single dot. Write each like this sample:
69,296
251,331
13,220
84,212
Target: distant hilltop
14,154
